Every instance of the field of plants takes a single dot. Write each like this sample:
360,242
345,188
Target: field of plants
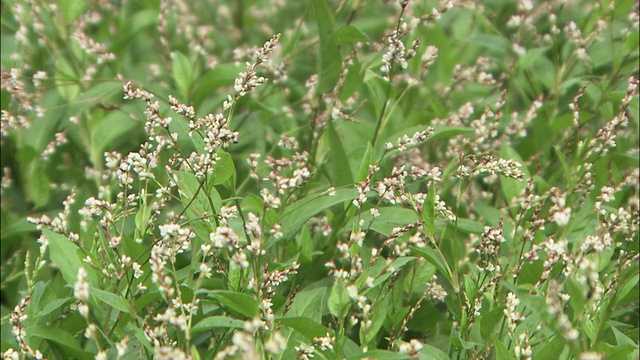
326,179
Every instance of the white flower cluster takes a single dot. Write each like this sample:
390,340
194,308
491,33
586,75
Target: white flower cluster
403,142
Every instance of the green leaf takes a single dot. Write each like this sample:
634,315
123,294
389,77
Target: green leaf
349,34
214,322
223,169
62,338
434,258
54,305
329,58
391,217
71,9
183,74
142,216
461,343
469,226
309,303
305,245
489,322
381,355
114,300
565,166
38,184
188,185
628,286
195,355
304,325
430,352
221,75
527,60
101,92
64,254
447,132
367,159
66,80
502,353
339,163
112,128
511,188
621,338
242,303
339,300
380,265
429,211
578,298
551,349
499,44
294,216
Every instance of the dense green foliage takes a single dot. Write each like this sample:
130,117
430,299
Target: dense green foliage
351,179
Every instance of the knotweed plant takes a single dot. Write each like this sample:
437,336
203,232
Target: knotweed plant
321,179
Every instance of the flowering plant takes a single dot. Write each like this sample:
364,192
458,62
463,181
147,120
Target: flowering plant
296,180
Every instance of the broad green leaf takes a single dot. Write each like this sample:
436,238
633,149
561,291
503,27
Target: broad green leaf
309,303
182,73
305,245
349,34
54,305
429,211
130,26
66,80
189,188
101,92
329,58
469,226
304,325
551,348
565,167
221,75
142,216
214,322
430,352
530,57
367,159
242,303
112,128
111,299
628,286
489,322
391,217
223,169
71,9
64,254
339,300
381,355
589,328
434,258
295,215
502,353
461,343
38,184
545,72
441,132
578,298
339,162
499,44
62,338
397,264
621,338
